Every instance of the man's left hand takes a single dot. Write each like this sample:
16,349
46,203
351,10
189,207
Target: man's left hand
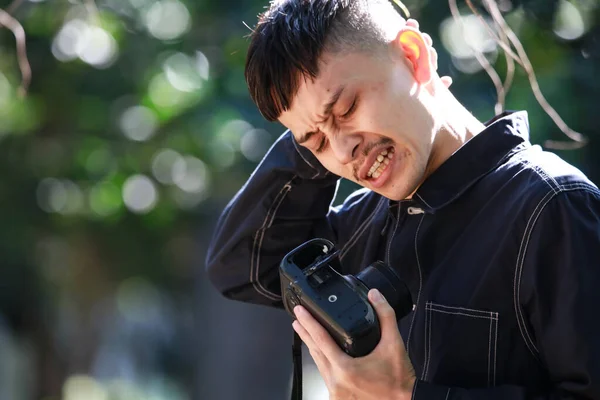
384,374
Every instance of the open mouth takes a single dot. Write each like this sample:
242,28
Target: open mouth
381,163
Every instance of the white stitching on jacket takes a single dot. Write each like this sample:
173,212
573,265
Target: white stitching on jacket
485,313
389,246
490,349
495,347
256,246
420,286
360,230
523,251
429,342
430,307
423,200
425,342
459,313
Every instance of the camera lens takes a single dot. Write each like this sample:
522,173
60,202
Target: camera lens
381,277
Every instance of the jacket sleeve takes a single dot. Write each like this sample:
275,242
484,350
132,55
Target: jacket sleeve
557,299
285,202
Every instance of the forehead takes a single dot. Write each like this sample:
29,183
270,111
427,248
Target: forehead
350,70
339,69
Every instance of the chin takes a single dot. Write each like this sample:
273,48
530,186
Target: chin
398,193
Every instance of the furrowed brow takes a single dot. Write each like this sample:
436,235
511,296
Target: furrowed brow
327,110
334,99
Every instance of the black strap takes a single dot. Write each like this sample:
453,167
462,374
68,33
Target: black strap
297,360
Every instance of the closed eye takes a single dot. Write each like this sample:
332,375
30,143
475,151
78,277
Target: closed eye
352,108
322,144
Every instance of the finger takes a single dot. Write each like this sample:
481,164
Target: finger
433,55
386,315
317,355
446,80
428,39
319,335
413,23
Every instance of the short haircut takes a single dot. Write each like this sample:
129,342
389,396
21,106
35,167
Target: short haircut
290,37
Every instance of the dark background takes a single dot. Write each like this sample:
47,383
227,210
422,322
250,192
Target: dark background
136,130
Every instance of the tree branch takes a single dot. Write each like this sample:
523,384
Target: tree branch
17,29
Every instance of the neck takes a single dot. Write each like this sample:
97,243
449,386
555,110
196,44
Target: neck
455,126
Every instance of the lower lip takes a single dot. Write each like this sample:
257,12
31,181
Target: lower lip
379,182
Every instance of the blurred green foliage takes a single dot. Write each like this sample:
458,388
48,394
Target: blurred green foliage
137,129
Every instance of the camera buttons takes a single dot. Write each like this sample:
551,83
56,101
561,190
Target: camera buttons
332,298
292,298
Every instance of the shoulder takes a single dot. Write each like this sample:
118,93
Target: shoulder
541,176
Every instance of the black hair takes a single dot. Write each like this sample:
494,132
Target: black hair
290,37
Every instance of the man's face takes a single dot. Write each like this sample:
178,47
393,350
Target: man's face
379,133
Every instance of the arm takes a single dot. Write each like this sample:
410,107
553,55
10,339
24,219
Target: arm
285,202
558,299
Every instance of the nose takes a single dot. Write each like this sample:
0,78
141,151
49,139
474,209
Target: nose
345,147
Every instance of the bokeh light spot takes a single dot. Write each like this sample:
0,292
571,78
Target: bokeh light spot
166,164
79,387
120,389
465,37
168,20
92,44
75,199
254,144
233,131
51,195
184,73
194,177
66,43
140,194
138,123
568,21
202,65
97,48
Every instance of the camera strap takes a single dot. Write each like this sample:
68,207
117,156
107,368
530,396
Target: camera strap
297,360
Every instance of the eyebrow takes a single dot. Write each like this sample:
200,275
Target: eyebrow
327,109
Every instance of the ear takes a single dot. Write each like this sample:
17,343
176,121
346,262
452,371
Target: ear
415,51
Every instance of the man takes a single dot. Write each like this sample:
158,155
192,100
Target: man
497,240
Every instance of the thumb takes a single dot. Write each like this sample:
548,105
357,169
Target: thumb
386,315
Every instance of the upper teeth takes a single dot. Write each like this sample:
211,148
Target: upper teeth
383,158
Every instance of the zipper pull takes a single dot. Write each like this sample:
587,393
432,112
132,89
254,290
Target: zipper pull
415,210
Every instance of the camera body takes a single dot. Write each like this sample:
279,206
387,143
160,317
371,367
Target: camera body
309,277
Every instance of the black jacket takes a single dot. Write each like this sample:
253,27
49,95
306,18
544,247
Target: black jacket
500,248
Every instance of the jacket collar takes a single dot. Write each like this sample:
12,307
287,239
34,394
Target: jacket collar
503,136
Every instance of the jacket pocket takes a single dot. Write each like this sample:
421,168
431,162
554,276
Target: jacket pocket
460,346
